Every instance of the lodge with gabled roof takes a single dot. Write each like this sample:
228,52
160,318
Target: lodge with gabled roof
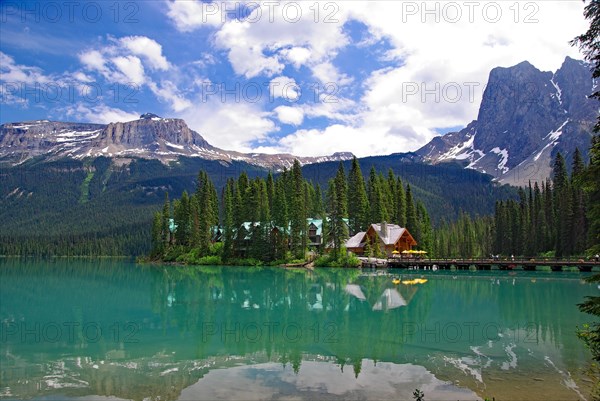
389,238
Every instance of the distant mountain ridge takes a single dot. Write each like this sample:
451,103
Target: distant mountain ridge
526,116
149,137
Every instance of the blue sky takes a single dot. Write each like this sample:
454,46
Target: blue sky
308,78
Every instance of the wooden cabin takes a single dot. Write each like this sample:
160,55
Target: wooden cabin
388,237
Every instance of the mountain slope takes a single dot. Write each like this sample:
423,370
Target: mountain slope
150,137
525,117
96,207
446,189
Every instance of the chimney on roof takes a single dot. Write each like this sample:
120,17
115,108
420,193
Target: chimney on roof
384,229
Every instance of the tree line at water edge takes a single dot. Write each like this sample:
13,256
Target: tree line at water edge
265,220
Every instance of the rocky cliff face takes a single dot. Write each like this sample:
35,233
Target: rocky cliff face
525,117
150,137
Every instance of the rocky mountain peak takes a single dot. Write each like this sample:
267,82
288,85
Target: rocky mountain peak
149,116
150,137
525,117
150,132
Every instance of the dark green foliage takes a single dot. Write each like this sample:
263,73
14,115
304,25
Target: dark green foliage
342,260
400,204
297,212
337,210
318,209
418,395
466,238
337,231
268,229
411,213
42,212
446,189
44,216
375,193
166,217
588,43
228,227
425,229
589,180
556,219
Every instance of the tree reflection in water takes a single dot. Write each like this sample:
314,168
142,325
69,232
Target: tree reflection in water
165,327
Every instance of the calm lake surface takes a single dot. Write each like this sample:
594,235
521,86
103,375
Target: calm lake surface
115,330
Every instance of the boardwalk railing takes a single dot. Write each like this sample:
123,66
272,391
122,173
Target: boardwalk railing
482,263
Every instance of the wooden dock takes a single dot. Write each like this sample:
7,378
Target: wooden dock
480,264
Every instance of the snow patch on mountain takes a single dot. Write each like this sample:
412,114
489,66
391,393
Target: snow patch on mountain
461,151
149,137
503,153
558,90
551,140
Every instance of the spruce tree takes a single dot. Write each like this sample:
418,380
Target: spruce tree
157,240
425,229
281,220
549,234
166,221
384,197
298,213
341,187
377,211
318,207
238,206
411,212
261,241
337,232
578,204
358,206
539,221
181,216
578,165
591,186
499,228
270,189
400,204
309,197
207,217
563,208
391,203
228,225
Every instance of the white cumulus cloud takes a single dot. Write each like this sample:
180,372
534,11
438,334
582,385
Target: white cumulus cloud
289,115
148,49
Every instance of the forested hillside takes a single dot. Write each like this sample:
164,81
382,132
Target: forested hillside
445,189
266,220
92,207
95,207
559,218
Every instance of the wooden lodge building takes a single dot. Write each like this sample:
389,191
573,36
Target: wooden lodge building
387,237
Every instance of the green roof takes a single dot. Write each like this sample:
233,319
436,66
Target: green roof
318,223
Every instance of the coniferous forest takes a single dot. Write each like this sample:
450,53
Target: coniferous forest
50,213
94,207
558,219
265,220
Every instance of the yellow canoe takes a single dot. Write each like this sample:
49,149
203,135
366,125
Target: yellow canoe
415,281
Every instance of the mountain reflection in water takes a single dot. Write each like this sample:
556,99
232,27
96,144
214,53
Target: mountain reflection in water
113,329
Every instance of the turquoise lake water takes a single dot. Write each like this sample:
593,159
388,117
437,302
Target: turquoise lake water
111,329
